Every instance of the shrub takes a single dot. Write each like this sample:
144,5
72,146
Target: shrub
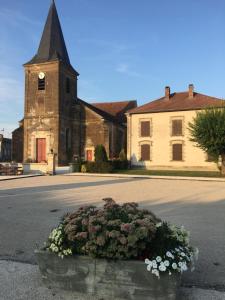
98,167
172,252
83,168
100,154
122,155
114,231
76,166
119,165
123,232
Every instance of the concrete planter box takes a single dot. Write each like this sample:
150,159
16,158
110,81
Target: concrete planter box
105,279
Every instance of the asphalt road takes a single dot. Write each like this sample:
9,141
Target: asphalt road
30,207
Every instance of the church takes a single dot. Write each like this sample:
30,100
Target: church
55,119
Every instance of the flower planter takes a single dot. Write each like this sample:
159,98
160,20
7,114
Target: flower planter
106,279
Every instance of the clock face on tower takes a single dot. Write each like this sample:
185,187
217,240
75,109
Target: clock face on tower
41,75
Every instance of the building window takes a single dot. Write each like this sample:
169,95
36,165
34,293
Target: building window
41,84
177,152
177,127
145,152
67,85
145,128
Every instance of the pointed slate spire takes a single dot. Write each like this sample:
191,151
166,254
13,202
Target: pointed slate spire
52,45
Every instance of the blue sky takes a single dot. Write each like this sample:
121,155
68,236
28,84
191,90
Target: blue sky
123,49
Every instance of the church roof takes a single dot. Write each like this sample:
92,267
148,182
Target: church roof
178,102
52,45
109,111
117,109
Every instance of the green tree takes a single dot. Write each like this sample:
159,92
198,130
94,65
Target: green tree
100,154
208,132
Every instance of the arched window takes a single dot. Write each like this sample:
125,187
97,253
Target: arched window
41,84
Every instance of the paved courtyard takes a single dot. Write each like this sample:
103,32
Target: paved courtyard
30,207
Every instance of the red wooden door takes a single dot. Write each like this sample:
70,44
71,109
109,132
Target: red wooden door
41,150
89,155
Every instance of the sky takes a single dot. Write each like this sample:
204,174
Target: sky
123,49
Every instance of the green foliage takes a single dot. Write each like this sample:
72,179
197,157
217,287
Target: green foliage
98,167
169,237
123,232
76,165
114,231
83,168
122,155
208,131
118,164
100,154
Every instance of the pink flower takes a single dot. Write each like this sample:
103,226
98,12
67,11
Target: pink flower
126,227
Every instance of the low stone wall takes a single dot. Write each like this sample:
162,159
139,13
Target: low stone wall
35,168
106,279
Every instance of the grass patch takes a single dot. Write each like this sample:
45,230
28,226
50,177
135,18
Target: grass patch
170,173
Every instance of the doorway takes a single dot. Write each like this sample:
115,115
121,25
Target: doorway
41,150
89,155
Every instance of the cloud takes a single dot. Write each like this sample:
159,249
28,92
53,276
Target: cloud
125,69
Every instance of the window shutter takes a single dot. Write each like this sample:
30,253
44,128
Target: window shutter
177,127
177,152
145,152
41,84
145,128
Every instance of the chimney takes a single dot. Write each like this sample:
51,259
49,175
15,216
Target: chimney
191,91
167,92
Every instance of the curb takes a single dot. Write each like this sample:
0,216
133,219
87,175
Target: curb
19,177
212,179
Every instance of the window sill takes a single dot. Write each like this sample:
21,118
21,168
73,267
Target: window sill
178,160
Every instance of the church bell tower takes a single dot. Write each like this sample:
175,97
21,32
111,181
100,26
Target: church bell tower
50,97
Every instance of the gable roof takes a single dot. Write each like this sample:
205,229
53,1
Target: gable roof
117,109
111,111
52,45
178,102
100,112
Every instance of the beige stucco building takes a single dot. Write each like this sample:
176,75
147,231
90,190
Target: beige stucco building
158,135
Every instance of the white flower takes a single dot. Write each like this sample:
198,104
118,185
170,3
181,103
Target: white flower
158,259
182,254
162,267
184,267
169,254
166,263
147,261
180,263
149,267
154,264
174,266
155,272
